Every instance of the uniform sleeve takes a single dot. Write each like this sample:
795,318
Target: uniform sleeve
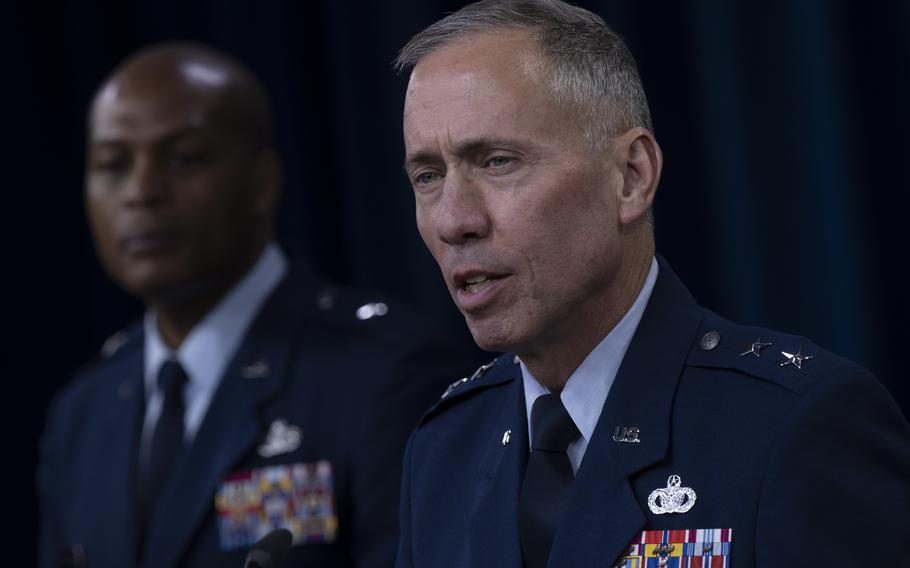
837,486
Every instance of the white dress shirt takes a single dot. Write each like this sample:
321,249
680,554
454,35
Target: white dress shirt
210,345
585,393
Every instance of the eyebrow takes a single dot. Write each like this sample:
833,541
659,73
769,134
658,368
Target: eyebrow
466,148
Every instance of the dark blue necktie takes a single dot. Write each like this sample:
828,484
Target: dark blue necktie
167,440
547,480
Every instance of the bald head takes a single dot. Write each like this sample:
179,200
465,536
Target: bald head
182,72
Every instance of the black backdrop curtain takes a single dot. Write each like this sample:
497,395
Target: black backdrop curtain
782,204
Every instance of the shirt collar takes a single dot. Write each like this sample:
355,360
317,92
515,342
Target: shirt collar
587,388
210,345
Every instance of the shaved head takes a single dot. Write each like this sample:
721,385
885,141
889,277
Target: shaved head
236,98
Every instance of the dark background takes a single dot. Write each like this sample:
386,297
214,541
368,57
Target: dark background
783,200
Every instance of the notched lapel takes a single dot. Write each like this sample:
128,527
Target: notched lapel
603,513
231,430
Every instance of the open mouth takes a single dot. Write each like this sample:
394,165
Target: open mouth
475,284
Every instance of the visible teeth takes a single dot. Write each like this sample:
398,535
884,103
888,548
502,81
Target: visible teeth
478,286
475,279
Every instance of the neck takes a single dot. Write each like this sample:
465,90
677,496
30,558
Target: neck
178,314
553,362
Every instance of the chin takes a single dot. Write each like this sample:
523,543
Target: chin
492,338
154,286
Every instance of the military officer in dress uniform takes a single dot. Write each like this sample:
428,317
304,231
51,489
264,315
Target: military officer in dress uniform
625,425
253,395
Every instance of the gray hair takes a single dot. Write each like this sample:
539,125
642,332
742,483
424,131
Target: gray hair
589,67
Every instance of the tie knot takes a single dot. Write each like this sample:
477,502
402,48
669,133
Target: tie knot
552,428
171,377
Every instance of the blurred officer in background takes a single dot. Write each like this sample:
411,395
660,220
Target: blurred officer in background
252,395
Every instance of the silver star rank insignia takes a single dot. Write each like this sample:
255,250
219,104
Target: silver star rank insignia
756,348
795,359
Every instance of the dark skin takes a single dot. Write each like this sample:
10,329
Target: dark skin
181,180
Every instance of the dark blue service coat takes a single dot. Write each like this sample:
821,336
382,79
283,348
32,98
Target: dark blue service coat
808,466
353,389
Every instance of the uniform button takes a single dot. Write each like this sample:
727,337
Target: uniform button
710,340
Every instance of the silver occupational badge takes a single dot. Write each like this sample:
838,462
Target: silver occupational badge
672,498
281,439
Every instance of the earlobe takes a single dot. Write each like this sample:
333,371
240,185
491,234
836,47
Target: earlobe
641,161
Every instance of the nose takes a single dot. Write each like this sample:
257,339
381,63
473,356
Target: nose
462,216
146,185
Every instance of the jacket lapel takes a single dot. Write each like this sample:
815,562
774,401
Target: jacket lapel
493,530
603,513
230,430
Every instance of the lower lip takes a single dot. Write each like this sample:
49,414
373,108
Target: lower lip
147,245
473,301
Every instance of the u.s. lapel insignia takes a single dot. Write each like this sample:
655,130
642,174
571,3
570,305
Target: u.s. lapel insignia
672,498
796,359
281,439
626,434
257,370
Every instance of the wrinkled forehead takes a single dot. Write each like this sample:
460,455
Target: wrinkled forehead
507,55
490,85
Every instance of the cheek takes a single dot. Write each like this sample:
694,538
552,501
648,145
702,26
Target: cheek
101,216
426,227
567,231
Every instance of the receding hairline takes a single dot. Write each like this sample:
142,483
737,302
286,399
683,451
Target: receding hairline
407,62
585,62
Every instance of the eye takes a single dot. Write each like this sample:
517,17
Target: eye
111,164
425,178
500,161
189,159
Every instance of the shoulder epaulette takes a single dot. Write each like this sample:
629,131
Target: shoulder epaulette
790,361
479,373
117,340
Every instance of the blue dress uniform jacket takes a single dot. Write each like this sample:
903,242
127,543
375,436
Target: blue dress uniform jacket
355,389
808,467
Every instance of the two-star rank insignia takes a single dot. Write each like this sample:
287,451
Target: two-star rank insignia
477,374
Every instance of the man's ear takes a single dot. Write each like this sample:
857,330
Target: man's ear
640,161
268,176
